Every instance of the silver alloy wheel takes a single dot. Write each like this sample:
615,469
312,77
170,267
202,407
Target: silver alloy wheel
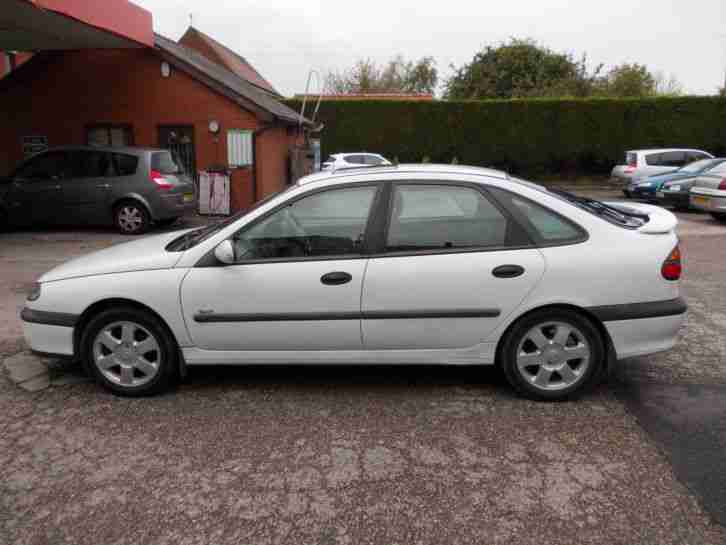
130,218
126,353
553,356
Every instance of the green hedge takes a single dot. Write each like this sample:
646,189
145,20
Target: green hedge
527,137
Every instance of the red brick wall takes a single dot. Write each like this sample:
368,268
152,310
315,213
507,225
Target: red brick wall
59,95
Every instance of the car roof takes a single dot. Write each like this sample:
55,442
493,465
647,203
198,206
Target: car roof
427,168
115,149
661,150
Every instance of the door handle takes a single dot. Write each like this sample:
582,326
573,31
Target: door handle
336,278
508,271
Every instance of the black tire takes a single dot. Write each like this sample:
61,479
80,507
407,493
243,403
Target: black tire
166,359
166,222
627,194
719,216
131,209
591,375
4,221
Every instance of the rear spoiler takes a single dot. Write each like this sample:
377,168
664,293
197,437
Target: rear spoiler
660,221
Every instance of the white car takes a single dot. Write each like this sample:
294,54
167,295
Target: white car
351,160
419,264
709,192
650,162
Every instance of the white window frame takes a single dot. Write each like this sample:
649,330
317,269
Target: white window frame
243,155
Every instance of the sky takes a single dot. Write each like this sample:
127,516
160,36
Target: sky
286,39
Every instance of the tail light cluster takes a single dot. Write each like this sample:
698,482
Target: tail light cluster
162,184
722,185
672,267
630,169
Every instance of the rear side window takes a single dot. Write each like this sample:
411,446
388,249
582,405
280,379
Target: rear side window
355,159
125,165
164,163
433,217
373,160
654,159
667,159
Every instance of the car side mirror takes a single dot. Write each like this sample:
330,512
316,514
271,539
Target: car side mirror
224,252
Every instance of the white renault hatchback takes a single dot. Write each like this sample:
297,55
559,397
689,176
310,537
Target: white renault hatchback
389,265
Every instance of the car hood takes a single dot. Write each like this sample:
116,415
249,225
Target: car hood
147,253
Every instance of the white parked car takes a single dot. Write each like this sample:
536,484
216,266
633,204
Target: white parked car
350,160
709,192
649,162
417,264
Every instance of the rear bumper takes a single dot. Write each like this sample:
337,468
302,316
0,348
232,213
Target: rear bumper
173,206
708,201
643,328
674,199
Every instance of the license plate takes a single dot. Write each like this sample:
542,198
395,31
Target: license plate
659,194
702,201
188,197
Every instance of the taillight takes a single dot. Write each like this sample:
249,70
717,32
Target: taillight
722,185
630,169
161,182
672,268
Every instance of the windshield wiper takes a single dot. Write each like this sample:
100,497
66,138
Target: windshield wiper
600,208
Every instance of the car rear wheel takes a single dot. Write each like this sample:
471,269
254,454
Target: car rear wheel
719,216
129,352
131,218
552,355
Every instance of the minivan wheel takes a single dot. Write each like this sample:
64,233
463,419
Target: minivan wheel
552,355
719,216
129,352
131,218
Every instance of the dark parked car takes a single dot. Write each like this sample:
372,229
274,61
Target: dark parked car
648,188
131,188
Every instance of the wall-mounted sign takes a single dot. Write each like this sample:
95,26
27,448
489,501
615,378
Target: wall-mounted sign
34,144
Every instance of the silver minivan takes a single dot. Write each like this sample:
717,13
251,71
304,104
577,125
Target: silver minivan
648,162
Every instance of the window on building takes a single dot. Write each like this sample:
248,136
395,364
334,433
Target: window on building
110,135
239,148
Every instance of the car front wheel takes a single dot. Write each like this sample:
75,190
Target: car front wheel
552,355
129,352
131,218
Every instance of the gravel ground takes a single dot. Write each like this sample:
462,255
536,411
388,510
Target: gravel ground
346,455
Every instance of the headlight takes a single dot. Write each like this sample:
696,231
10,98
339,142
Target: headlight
34,292
644,184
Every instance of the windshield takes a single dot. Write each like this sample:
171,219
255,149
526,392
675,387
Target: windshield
622,216
194,237
697,166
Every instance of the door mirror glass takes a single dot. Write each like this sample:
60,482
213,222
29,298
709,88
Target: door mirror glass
225,252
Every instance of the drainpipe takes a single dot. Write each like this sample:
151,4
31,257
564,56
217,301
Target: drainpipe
255,134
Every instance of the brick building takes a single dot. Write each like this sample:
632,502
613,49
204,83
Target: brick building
215,112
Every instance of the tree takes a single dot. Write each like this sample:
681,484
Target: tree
520,68
396,76
628,80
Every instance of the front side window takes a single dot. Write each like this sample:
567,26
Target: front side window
48,166
330,223
438,217
673,159
373,160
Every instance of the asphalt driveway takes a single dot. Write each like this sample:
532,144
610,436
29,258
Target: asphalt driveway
359,455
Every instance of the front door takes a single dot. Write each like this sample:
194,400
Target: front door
296,283
35,194
179,139
449,274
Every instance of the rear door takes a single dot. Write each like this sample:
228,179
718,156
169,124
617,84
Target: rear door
86,194
454,264
35,194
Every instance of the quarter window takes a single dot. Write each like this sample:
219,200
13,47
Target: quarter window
431,217
549,226
324,224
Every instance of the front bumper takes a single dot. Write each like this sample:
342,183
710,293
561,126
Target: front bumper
48,332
